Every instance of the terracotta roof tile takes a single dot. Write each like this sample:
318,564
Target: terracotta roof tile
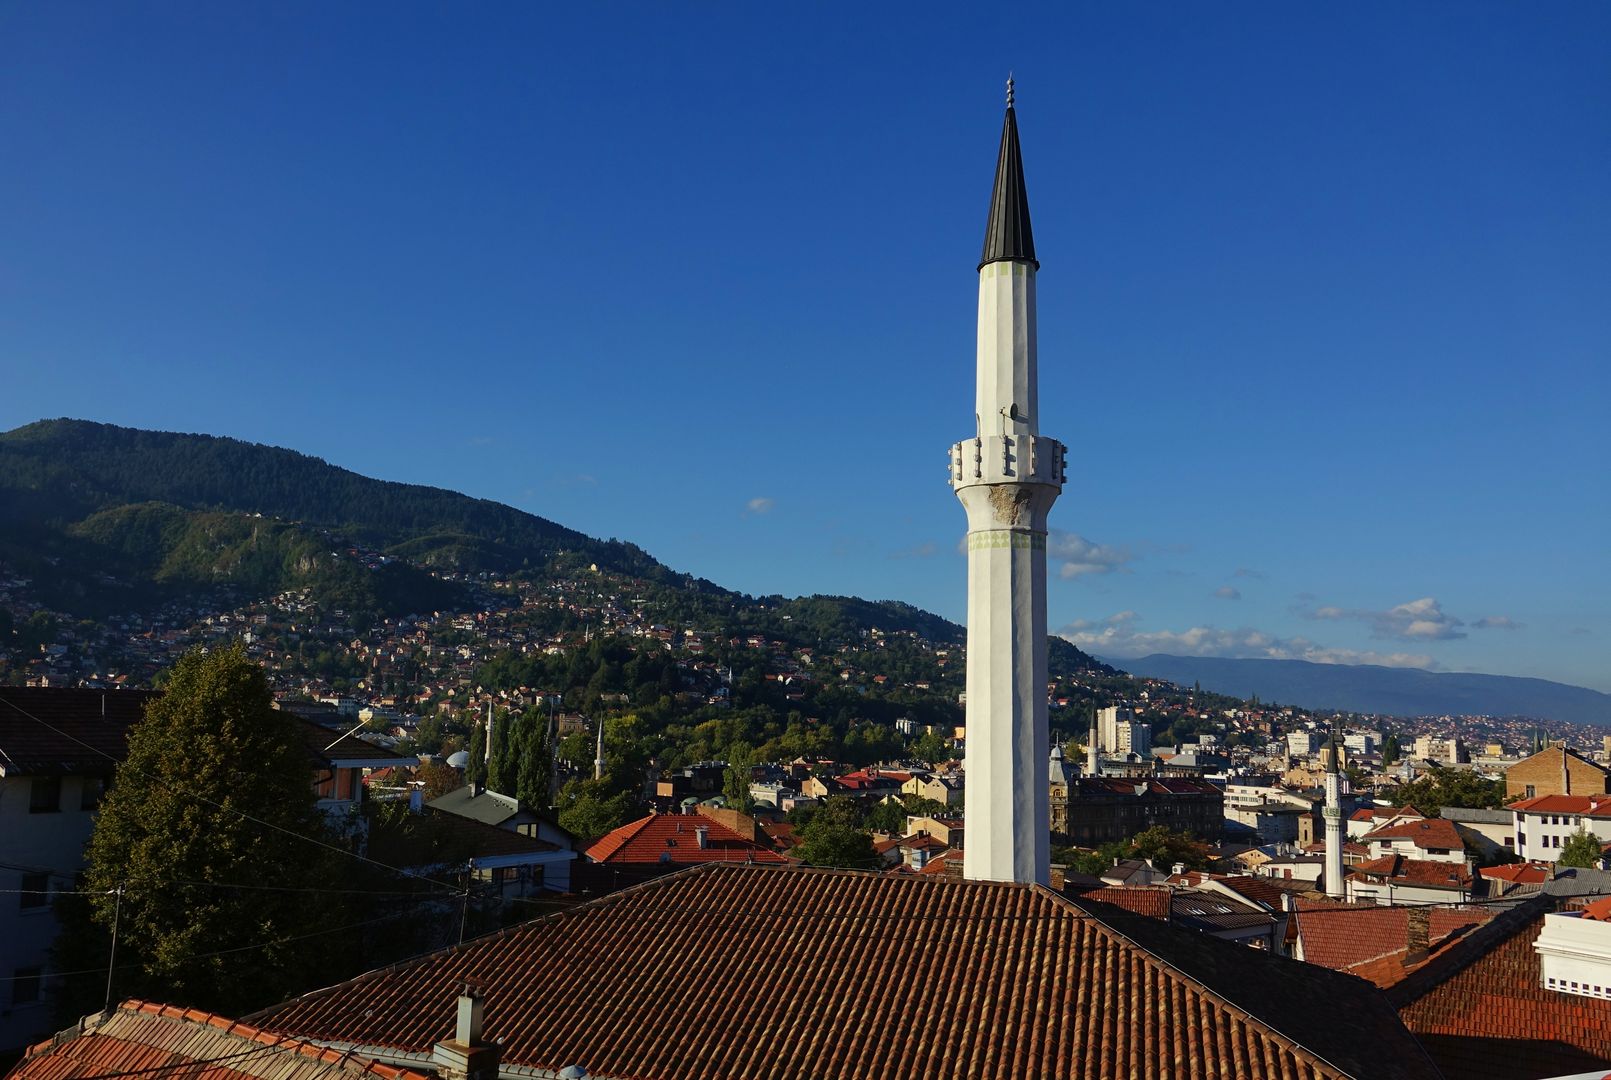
1585,805
673,839
1351,937
1426,873
1482,1012
1424,832
99,718
730,971
168,1040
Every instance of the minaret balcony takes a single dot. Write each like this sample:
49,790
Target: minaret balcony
1008,459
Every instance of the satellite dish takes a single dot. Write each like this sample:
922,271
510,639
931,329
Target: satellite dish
459,759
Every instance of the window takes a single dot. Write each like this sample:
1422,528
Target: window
45,795
35,892
1532,792
89,794
25,986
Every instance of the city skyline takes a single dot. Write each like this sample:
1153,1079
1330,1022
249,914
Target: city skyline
1322,293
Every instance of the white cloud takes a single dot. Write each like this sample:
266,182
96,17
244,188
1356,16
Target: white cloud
1418,620
1080,556
759,505
1248,572
1226,592
917,551
1116,637
1497,622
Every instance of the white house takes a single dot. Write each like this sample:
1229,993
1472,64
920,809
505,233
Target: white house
1546,822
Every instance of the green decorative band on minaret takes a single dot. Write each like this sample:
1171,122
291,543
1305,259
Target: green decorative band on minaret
1007,538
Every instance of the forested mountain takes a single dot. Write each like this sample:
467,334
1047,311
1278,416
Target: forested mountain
107,519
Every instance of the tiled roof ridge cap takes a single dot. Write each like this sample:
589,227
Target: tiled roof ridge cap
1297,1048
1467,950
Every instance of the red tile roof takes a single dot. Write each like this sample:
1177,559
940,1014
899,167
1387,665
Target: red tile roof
1599,910
1423,832
1351,937
167,1040
1528,873
723,972
1481,1011
1425,873
672,839
100,719
1587,805
1149,900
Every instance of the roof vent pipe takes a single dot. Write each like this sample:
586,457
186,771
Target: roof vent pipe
468,1032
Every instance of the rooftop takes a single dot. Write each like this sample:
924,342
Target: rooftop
91,729
144,1038
674,838
730,971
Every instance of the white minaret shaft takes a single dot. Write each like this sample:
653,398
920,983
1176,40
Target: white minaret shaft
1007,477
1334,823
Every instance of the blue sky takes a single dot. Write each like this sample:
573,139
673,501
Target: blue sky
1325,292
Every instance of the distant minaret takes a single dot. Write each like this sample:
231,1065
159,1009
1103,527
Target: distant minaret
1093,748
1007,476
598,755
1334,821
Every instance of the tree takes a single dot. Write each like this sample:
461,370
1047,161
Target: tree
736,780
1390,750
1582,849
833,837
214,799
1442,787
588,809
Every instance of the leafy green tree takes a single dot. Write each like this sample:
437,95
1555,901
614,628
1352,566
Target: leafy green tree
834,837
174,834
1442,787
588,809
1582,849
736,781
1391,751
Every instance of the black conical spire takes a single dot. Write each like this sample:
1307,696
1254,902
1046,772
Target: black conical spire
1008,235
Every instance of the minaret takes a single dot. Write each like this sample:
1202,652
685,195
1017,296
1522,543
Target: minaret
598,755
1334,821
1093,748
1007,476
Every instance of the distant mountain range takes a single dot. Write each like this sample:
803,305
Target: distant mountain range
1371,689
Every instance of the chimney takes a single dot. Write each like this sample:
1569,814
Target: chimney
1416,940
416,800
466,1056
702,836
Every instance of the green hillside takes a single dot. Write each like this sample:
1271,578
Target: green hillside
108,519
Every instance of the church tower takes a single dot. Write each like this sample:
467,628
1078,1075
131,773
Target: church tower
1007,476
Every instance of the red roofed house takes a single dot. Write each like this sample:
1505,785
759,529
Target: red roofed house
1370,818
1545,823
661,843
727,972
1421,838
1395,879
1513,876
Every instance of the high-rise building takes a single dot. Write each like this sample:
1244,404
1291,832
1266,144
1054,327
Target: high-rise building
1007,476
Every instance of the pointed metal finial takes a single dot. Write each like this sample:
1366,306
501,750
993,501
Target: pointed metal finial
1009,89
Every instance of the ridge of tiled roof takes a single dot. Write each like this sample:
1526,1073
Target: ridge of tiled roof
799,958
144,1036
1593,805
1481,1011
